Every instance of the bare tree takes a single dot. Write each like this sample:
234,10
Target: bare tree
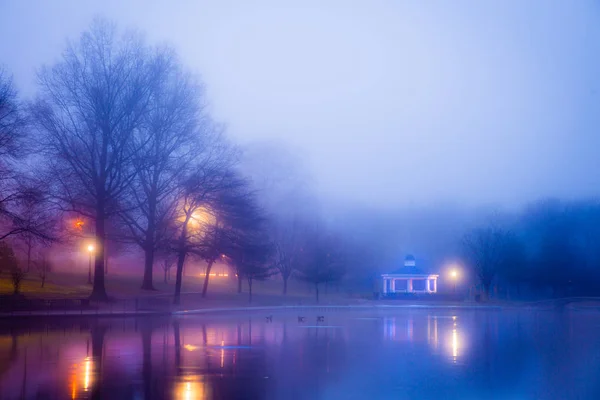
37,218
247,247
167,260
287,241
169,137
255,262
322,261
167,264
239,222
196,229
22,198
487,251
43,266
12,120
278,175
8,262
90,107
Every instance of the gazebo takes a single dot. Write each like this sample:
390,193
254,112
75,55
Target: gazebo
409,279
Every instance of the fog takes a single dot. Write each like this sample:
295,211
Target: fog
390,103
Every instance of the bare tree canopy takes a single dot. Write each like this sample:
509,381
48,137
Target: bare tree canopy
287,238
12,120
488,251
90,106
171,137
196,228
24,207
322,259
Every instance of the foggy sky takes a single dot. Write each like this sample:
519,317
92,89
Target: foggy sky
394,102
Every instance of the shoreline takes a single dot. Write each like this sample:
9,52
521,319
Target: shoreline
279,308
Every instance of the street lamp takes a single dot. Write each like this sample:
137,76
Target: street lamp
90,249
454,276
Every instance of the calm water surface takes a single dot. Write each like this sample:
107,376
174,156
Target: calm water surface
418,354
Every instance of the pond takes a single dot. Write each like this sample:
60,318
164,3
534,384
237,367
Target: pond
403,354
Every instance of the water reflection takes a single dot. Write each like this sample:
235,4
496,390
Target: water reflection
415,328
190,388
473,355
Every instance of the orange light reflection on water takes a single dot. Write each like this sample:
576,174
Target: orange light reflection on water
191,388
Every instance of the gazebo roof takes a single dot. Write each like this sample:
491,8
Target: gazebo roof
412,270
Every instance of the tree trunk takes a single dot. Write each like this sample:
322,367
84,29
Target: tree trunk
179,276
180,261
239,282
146,334
166,270
43,280
106,258
317,291
206,276
28,253
249,290
99,289
285,280
486,290
97,333
204,335
177,344
148,267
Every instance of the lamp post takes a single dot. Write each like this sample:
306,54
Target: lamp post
454,275
90,249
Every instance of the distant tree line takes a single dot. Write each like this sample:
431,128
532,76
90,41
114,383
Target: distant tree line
550,249
118,144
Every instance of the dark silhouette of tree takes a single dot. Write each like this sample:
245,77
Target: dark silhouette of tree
43,266
167,262
38,220
563,239
322,261
12,120
513,267
286,236
239,226
246,246
196,229
23,206
9,262
90,106
255,263
489,250
170,139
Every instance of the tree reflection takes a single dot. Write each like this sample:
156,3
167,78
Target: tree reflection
93,365
146,336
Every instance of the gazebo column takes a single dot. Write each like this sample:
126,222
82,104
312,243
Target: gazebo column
409,286
385,281
427,287
435,286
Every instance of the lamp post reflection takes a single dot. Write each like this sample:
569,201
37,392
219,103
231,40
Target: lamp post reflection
190,388
82,376
187,387
87,374
455,343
